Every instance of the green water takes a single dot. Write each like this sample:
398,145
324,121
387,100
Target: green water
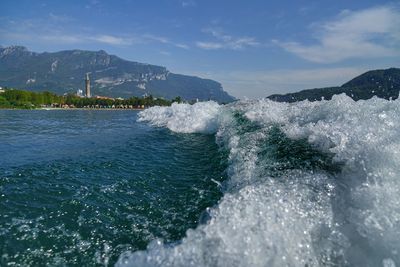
77,188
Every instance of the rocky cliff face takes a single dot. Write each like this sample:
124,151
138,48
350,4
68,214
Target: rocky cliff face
64,72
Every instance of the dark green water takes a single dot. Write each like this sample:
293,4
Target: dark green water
77,188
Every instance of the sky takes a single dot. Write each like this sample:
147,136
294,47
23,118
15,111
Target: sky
254,48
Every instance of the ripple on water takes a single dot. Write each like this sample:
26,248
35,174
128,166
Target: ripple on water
80,188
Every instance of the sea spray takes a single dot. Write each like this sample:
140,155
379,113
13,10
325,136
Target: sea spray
342,211
201,117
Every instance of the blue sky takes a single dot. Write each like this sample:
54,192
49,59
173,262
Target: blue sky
254,48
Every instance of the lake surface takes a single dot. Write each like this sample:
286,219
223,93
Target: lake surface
252,183
79,187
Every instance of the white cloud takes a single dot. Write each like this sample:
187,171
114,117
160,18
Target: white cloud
53,30
164,40
224,41
60,18
165,53
183,46
209,45
188,3
159,39
369,33
112,40
56,38
92,3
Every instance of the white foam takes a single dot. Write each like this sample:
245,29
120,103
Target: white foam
365,136
202,117
303,217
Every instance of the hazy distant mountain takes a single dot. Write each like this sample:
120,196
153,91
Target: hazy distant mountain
64,71
381,83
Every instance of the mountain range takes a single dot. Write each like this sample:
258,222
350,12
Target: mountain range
64,72
381,83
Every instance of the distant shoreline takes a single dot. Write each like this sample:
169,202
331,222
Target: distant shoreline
107,109
90,108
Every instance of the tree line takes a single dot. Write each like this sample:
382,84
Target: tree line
22,99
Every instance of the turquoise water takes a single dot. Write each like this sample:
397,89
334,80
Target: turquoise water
252,183
78,188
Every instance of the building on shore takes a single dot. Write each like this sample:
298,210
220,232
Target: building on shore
79,93
104,97
87,85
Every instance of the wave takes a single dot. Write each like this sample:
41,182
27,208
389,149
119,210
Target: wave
310,184
201,117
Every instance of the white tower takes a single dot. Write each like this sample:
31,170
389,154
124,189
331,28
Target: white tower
87,83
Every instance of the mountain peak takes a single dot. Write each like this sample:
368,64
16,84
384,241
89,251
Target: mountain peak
376,78
102,52
62,72
16,47
383,83
13,50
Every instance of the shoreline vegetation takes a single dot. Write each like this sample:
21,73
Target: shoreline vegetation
22,99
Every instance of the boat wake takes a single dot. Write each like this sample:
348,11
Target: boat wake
310,184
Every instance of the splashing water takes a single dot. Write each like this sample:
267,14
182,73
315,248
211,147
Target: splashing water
310,184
